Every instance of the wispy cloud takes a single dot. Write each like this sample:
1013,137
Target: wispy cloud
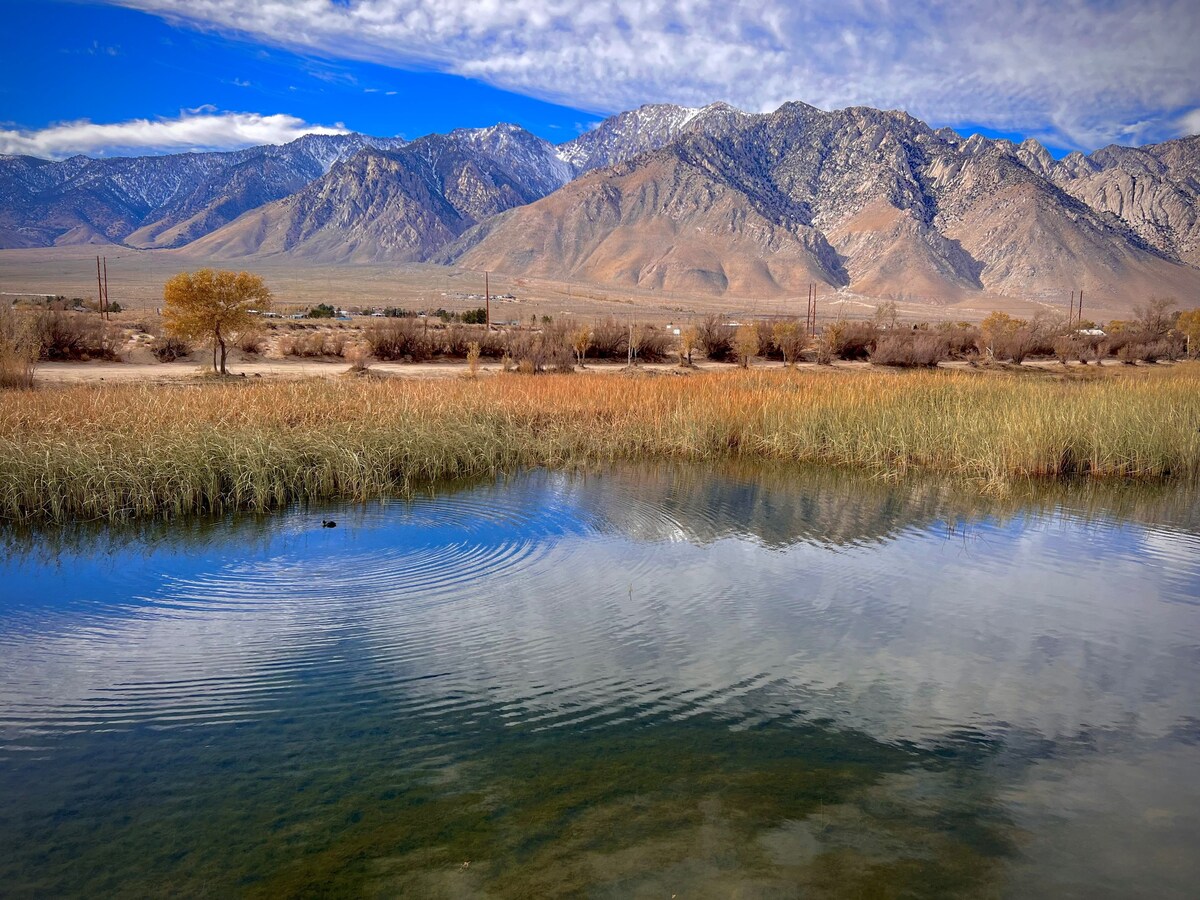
1083,71
1189,123
198,129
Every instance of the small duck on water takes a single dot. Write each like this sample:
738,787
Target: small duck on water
328,523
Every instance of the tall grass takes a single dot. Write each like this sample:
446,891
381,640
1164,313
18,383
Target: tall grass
106,452
19,349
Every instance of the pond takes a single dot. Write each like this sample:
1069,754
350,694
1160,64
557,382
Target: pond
639,682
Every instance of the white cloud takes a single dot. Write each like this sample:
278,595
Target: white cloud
1084,71
197,129
1189,123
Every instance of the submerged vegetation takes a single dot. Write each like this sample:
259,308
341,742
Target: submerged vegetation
111,452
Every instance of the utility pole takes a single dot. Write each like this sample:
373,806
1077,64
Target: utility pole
487,299
99,286
1071,310
107,314
812,308
1079,319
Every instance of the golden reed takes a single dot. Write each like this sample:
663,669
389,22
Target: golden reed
107,452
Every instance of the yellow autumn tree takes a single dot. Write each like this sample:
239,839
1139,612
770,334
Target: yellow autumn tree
214,306
1188,324
745,343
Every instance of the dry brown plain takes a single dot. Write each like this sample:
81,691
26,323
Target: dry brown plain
136,278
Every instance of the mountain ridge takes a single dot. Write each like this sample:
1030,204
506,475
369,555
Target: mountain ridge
708,199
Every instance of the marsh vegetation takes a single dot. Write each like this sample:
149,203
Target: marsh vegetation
116,451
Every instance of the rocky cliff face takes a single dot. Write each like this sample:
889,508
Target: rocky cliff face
905,212
647,128
1153,190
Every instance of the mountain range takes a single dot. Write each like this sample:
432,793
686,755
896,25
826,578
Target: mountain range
711,201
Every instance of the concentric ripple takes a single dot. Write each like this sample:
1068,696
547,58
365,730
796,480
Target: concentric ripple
558,602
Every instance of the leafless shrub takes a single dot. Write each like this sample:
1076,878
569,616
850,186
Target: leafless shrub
1156,316
656,345
531,352
911,349
455,340
68,335
399,339
854,340
961,338
252,341
716,338
767,348
610,340
168,348
357,355
1064,348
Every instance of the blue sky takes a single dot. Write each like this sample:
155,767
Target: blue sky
71,61
165,75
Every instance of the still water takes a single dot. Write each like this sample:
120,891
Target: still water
646,682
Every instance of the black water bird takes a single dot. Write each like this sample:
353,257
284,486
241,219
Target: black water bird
328,523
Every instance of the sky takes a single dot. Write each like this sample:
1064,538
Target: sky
147,76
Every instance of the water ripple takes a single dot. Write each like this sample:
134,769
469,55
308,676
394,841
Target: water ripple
553,603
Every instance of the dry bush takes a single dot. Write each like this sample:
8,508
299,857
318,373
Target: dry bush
168,348
716,338
491,344
790,338
314,344
911,349
854,340
19,349
1129,353
1064,349
68,335
1133,344
252,341
767,348
399,339
1150,351
455,340
473,358
826,345
357,355
308,345
335,343
610,340
961,338
656,345
1156,316
531,352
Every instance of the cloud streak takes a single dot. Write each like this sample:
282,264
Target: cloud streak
199,129
1082,72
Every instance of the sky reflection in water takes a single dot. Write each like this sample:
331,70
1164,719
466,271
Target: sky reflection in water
644,680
